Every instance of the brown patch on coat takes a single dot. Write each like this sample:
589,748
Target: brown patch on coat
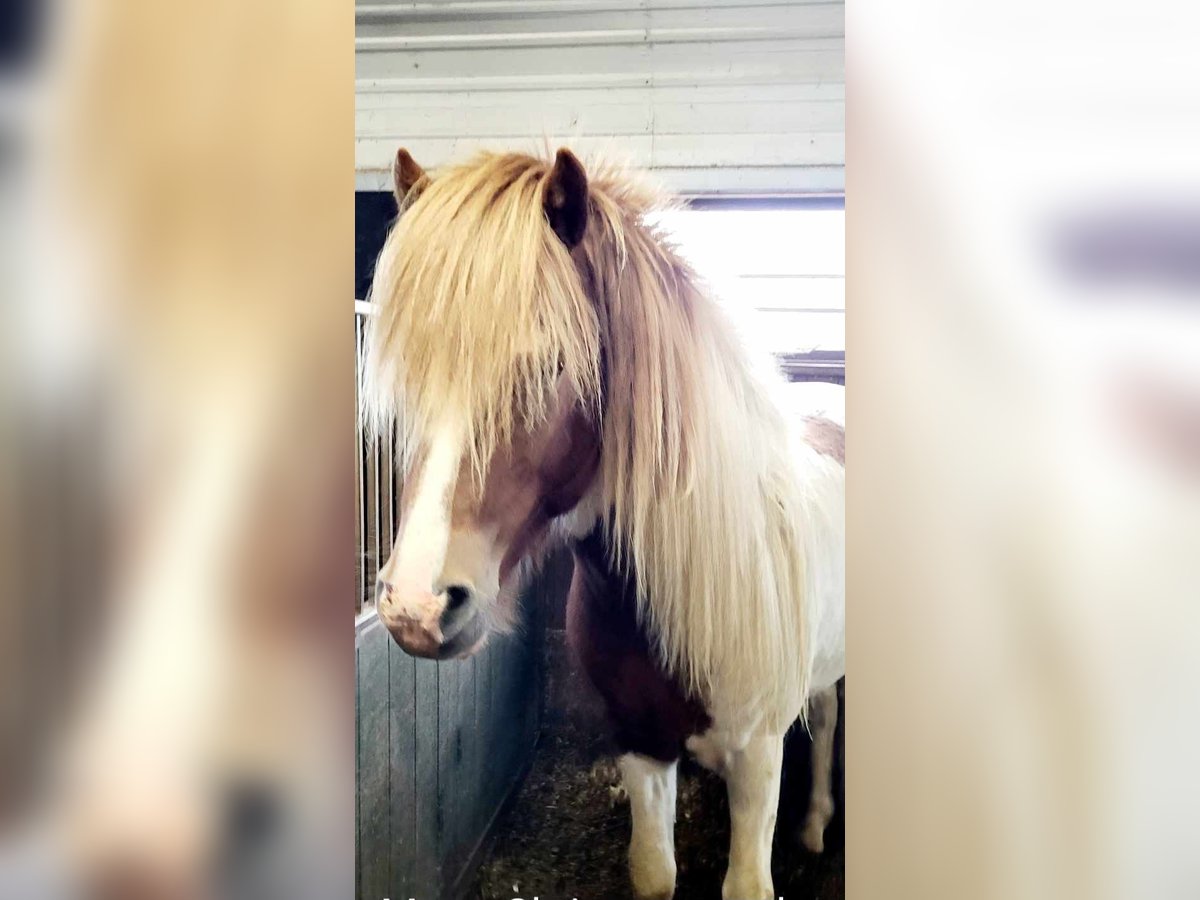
647,708
540,476
537,477
826,436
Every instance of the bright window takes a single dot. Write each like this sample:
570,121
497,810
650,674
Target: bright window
787,267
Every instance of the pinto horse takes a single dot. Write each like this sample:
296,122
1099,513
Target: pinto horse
556,373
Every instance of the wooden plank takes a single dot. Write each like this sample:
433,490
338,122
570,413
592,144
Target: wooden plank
428,847
456,776
491,720
449,790
805,61
514,697
500,722
466,773
402,686
410,99
484,671
374,762
667,151
535,663
358,792
523,24
500,123
766,149
416,9
737,184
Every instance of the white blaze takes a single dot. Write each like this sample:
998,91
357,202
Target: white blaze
420,551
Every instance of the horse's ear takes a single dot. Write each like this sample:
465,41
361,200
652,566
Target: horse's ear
408,177
566,198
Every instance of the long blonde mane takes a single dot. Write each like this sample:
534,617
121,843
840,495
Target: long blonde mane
481,309
478,311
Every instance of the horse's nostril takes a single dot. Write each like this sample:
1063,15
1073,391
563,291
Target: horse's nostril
382,589
456,597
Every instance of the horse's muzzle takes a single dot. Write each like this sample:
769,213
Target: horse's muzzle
417,639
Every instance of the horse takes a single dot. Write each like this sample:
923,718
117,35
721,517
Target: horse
556,373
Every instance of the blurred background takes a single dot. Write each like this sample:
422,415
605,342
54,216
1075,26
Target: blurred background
176,511
1022,242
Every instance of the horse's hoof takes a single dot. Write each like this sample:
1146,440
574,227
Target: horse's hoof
661,892
747,887
653,881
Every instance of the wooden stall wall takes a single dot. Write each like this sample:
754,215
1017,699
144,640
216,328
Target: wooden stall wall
440,747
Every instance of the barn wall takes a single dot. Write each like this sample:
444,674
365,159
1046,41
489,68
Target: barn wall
718,97
440,747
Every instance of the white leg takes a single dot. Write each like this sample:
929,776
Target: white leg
822,721
651,788
752,777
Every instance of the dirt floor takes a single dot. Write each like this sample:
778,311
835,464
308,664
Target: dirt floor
566,832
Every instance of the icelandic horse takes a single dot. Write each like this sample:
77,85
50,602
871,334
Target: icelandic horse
556,373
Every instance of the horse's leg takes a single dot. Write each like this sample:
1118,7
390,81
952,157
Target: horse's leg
651,788
822,723
752,778
650,713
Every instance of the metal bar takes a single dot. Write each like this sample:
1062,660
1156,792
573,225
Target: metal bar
595,37
782,201
377,507
474,9
393,491
359,499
